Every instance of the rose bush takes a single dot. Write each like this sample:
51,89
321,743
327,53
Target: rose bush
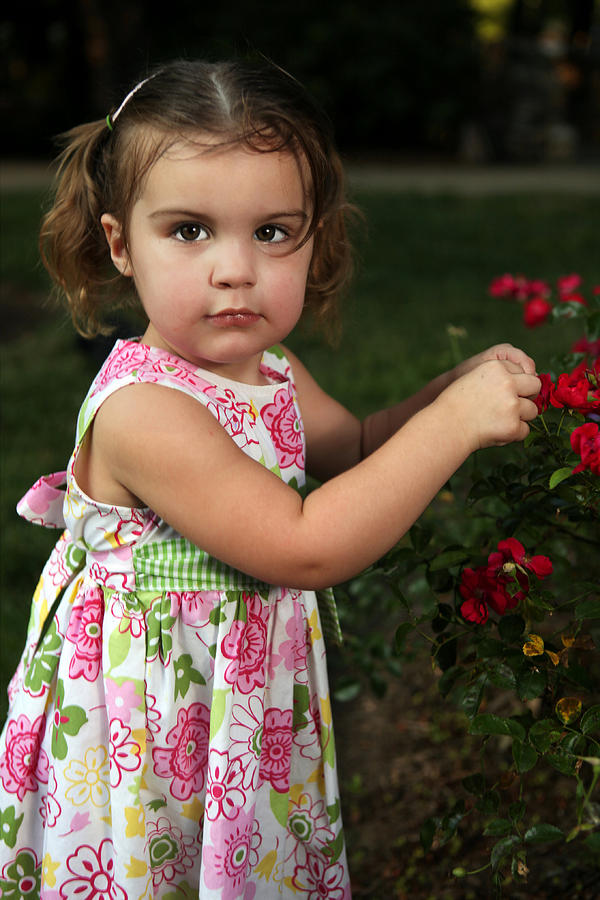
512,615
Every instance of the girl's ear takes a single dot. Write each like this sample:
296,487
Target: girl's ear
114,237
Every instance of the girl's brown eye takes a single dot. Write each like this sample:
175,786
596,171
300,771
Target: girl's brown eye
270,234
191,231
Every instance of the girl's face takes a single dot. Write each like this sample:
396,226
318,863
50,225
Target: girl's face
211,251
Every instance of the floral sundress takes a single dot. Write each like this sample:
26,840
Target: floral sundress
169,732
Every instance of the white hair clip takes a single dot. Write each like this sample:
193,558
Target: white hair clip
110,120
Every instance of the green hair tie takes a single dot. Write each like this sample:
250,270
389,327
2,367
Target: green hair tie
109,122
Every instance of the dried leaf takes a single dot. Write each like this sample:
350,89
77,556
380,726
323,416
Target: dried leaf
534,646
568,710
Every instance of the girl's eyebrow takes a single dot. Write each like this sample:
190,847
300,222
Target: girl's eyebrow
198,216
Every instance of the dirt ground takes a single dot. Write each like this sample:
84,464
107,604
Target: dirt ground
402,759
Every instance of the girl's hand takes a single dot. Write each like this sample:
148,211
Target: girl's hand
491,403
504,352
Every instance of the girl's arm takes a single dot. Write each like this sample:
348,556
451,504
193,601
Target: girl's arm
336,440
163,447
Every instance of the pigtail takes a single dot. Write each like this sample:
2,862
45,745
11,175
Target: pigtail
332,265
72,242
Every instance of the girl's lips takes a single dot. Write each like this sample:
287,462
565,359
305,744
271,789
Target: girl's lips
228,318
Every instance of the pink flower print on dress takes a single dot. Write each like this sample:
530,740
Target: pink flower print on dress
293,652
50,809
223,787
274,376
85,632
194,607
130,357
121,699
308,737
93,875
245,735
153,717
308,821
124,753
131,617
231,854
237,417
185,761
320,880
171,852
246,646
282,420
277,748
24,764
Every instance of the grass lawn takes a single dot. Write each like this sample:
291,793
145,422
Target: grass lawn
424,264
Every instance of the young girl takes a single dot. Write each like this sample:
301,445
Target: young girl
170,734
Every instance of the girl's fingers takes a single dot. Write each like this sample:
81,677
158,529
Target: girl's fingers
512,354
528,386
527,410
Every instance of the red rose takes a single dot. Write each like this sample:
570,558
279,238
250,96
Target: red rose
590,348
568,283
572,391
585,441
542,401
479,590
536,311
512,550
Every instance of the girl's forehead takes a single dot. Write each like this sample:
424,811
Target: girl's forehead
208,164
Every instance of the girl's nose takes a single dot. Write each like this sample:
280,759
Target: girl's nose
232,265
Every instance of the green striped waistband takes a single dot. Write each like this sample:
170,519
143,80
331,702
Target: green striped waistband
179,565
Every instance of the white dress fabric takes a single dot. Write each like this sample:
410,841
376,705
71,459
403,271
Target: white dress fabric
169,733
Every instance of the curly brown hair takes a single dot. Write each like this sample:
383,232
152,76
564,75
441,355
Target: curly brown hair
104,163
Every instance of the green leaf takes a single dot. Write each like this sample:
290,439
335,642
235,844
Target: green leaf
592,842
474,784
279,806
559,475
444,652
543,734
449,558
503,848
118,647
562,761
531,684
531,438
333,812
334,848
420,536
498,828
510,628
471,698
543,834
402,633
590,723
489,804
217,709
588,609
524,756
489,723
502,676
516,810
347,689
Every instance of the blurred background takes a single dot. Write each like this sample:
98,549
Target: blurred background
477,80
